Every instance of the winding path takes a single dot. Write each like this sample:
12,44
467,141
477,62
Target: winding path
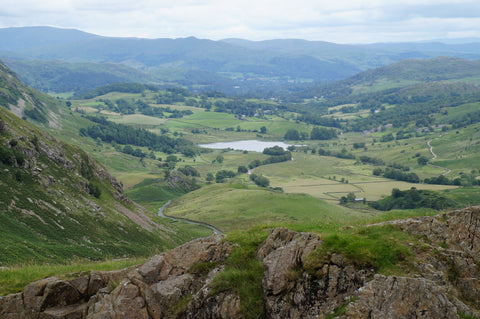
430,147
161,213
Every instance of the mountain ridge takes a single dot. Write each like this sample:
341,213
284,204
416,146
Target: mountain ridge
249,63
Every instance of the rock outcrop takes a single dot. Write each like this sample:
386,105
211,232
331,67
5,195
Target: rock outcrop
444,282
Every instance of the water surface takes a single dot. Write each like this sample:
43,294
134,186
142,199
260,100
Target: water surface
247,145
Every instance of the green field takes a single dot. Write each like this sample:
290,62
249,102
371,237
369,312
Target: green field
318,178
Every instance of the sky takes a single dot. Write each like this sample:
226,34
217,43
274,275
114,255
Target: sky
339,21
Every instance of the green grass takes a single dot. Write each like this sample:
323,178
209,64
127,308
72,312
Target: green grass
383,248
243,272
237,206
14,278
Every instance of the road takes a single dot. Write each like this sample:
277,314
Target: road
161,213
430,147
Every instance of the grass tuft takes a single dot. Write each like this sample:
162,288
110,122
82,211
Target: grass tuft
383,248
243,273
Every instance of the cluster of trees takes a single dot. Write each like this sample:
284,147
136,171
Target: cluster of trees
172,95
222,175
117,87
188,170
464,179
274,151
418,109
350,198
124,106
371,160
110,132
127,149
242,107
344,154
317,133
413,198
397,174
36,115
283,156
311,118
260,180
467,119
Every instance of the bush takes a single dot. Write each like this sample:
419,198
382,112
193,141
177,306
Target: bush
222,175
242,169
94,190
260,180
188,170
413,198
276,150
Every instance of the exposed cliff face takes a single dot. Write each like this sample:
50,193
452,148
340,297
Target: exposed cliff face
445,282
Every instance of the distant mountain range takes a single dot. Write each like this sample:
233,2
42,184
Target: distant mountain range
232,65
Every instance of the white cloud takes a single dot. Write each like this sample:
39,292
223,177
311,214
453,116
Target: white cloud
339,21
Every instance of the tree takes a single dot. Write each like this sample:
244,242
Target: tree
242,169
321,133
422,160
127,149
263,130
275,150
260,180
172,158
222,175
219,159
292,134
209,177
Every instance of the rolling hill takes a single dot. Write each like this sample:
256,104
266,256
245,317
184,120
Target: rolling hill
405,73
56,201
243,66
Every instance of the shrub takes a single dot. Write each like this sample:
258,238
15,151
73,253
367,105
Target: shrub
222,175
94,190
242,169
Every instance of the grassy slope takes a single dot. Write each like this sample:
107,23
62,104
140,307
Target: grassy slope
48,216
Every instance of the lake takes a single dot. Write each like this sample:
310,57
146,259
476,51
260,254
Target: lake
250,145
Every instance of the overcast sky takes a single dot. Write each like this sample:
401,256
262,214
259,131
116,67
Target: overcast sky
340,21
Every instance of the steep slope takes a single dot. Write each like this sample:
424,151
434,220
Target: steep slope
26,102
57,201
295,275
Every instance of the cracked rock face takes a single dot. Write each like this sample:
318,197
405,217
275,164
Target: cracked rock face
445,285
401,297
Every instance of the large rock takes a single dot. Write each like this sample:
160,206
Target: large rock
290,291
156,288
401,297
444,281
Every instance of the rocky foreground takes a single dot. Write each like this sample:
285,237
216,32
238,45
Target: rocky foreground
445,282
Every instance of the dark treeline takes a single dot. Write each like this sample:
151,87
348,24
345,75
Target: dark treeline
117,87
110,132
413,198
277,155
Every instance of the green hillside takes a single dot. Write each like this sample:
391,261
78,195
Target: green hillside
58,202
